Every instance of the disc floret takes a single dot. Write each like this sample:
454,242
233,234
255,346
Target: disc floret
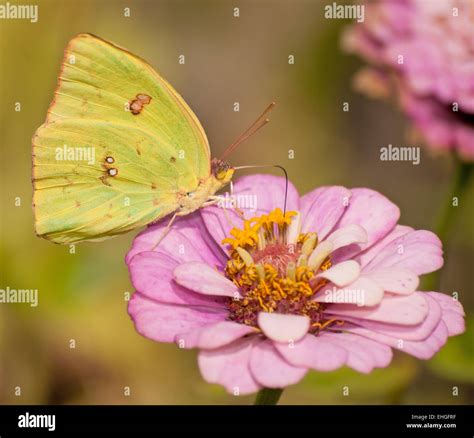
275,267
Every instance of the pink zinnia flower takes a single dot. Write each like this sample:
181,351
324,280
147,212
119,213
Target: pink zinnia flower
435,79
332,282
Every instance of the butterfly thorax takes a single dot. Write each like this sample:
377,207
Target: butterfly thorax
220,176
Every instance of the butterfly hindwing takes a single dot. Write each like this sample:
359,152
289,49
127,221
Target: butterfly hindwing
117,146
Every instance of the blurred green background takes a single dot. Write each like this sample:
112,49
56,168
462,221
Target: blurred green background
228,59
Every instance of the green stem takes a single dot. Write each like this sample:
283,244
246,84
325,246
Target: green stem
447,214
268,396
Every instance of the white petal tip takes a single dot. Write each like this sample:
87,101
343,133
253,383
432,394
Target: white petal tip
283,328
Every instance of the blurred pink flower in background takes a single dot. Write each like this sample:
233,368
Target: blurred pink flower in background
423,51
332,282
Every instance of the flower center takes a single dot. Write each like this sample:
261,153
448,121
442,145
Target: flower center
275,267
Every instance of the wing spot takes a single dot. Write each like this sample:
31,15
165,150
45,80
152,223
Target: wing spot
109,160
103,178
173,160
153,186
138,146
137,104
112,171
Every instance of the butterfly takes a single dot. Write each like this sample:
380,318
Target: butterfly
119,149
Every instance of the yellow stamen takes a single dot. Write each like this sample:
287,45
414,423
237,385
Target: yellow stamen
273,264
246,237
279,290
326,323
263,305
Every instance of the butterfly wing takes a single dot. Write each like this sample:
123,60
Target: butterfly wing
118,146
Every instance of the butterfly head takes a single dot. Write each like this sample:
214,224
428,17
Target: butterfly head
222,171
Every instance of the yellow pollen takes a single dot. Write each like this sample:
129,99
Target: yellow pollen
243,238
272,273
322,326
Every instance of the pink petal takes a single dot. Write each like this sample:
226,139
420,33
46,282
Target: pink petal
341,274
347,235
454,323
418,251
395,280
427,348
316,352
220,222
267,190
366,256
190,339
200,277
452,313
270,369
395,309
283,328
424,349
162,322
229,367
374,213
187,240
322,208
447,303
412,333
151,274
363,354
214,335
361,292
294,229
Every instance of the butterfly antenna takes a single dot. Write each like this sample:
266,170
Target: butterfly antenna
259,166
251,130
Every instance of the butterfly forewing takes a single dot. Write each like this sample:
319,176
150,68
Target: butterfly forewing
117,146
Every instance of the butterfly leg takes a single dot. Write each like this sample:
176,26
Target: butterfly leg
165,231
236,209
213,200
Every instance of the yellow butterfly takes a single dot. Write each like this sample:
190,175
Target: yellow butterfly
119,149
